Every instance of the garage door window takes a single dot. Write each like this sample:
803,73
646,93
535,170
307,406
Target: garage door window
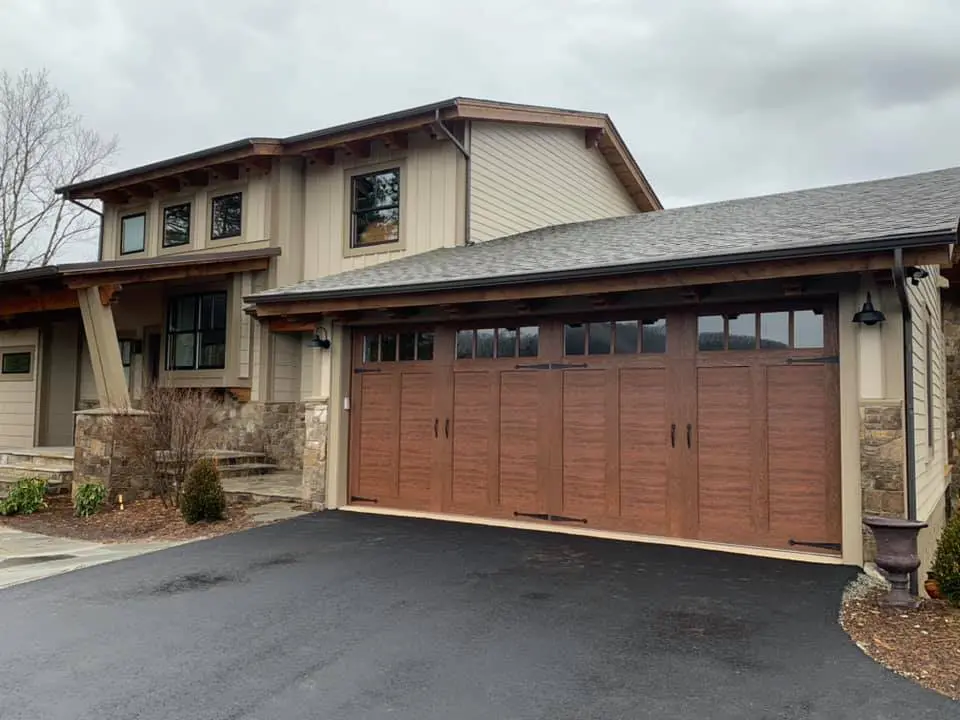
622,337
489,343
780,330
16,363
397,347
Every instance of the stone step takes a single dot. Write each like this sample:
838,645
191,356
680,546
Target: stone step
225,458
240,470
58,479
283,487
59,459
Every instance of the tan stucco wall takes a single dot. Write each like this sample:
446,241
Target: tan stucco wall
525,177
18,398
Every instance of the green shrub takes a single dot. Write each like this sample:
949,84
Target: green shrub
946,563
26,497
202,497
89,498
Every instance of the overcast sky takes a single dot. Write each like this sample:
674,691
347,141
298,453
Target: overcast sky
715,98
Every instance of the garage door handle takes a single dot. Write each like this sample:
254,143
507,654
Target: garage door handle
689,429
446,428
436,424
673,434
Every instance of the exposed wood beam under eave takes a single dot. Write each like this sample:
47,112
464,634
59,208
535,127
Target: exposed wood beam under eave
746,272
157,274
52,300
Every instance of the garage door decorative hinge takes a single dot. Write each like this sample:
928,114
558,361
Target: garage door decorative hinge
551,366
357,498
822,545
551,518
826,360
362,370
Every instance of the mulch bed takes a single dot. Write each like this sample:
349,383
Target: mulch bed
139,521
922,644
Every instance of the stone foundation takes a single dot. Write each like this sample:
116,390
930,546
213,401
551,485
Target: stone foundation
100,455
882,465
275,429
315,453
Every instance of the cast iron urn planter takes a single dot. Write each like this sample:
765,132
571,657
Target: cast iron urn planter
897,555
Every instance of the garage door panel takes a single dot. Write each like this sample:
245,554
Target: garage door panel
379,436
644,438
520,443
417,417
725,483
475,431
799,461
585,430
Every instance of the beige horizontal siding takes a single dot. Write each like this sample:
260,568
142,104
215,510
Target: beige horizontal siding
18,398
931,442
525,177
286,368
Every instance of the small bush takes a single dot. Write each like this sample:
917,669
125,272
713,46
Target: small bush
90,497
26,497
946,563
202,497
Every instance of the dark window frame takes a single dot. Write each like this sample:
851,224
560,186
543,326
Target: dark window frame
355,243
197,332
143,239
517,340
163,224
614,326
373,343
214,235
16,353
758,340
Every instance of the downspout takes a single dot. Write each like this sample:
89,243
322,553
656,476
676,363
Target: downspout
466,157
98,213
899,281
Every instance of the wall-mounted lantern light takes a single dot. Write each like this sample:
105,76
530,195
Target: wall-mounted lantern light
868,314
320,339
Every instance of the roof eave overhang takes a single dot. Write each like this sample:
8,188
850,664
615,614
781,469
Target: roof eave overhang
932,248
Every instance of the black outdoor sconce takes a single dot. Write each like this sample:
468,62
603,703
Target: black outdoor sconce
320,339
868,314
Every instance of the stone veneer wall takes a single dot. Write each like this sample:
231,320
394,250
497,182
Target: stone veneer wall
882,465
315,453
273,428
99,453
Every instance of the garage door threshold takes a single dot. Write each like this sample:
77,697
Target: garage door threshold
603,534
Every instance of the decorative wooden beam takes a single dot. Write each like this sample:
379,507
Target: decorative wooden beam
324,156
358,148
170,184
108,293
142,191
291,325
55,300
261,162
396,141
167,272
227,171
115,197
591,137
198,178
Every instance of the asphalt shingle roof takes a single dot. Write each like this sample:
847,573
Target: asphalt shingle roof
828,218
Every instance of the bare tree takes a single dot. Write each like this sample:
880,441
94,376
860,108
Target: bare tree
43,145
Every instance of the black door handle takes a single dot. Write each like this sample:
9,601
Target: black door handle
673,434
436,424
446,428
689,428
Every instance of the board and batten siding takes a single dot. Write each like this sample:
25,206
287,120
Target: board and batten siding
18,398
931,442
431,214
526,177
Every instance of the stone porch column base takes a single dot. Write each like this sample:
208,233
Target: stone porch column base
314,486
882,464
100,455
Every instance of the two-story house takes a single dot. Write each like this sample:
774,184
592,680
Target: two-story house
481,312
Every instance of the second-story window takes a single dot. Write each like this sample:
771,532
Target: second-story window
375,208
225,216
133,233
176,225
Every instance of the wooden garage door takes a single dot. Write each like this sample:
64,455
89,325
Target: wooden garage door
715,427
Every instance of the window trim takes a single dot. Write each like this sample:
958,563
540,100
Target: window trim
169,334
368,169
243,215
18,350
127,216
174,203
928,364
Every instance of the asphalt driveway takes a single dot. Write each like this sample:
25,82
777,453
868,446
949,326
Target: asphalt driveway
349,616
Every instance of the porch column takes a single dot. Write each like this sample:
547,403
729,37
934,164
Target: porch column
101,334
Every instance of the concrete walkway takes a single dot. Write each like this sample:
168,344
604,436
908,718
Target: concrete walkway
28,556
